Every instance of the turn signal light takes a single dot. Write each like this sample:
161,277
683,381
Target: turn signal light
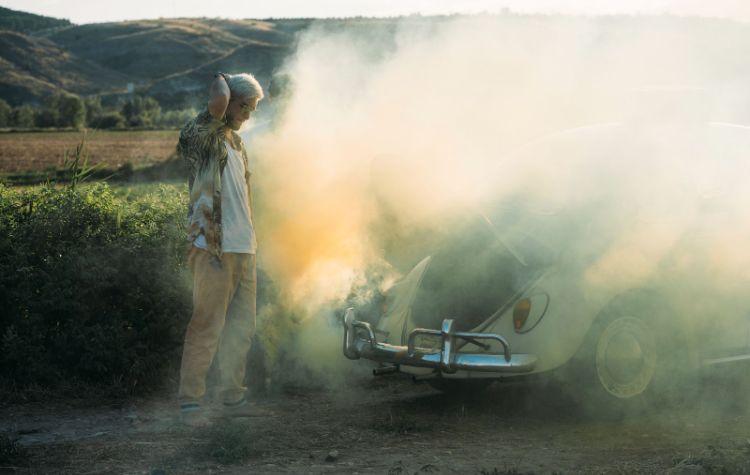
521,313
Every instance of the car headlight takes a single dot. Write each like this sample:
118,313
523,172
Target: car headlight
521,312
529,311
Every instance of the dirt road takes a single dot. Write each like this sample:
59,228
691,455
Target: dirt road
388,425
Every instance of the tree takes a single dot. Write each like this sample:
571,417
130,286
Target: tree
72,111
61,110
5,113
93,106
176,118
49,114
109,120
23,116
141,111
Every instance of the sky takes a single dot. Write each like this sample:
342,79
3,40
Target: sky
90,11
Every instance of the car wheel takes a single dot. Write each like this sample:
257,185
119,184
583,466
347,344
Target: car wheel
633,358
625,357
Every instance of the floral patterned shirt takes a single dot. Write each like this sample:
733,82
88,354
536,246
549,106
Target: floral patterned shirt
202,147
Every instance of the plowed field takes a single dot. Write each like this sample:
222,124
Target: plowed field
40,151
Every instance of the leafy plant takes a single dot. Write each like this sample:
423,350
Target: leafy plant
93,287
76,164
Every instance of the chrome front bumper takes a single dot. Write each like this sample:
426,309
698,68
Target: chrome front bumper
360,342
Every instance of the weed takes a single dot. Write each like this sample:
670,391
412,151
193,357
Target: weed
231,442
400,423
76,164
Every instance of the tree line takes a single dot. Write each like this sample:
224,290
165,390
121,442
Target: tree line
72,111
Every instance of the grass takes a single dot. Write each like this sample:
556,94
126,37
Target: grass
400,423
231,442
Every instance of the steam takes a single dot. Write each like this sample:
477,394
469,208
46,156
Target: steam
392,132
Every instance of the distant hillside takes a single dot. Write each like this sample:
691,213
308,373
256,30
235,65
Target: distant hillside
147,50
174,59
27,22
106,57
176,53
32,68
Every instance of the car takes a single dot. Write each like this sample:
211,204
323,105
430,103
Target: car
618,263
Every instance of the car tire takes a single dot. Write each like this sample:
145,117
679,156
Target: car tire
633,359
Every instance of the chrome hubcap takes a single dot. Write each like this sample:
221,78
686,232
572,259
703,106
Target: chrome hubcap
626,357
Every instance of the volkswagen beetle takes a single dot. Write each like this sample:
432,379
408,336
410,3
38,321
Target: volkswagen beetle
619,275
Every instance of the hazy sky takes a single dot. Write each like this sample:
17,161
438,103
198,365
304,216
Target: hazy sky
87,11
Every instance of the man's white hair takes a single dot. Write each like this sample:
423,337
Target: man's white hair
244,85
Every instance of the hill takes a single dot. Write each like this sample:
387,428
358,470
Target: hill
34,67
171,58
27,22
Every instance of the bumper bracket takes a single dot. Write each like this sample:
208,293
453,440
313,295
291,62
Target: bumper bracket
360,342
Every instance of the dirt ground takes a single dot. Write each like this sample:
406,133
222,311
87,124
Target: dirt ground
384,425
41,151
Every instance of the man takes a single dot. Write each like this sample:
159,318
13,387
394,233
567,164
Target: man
222,254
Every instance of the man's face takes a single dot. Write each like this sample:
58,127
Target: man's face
239,110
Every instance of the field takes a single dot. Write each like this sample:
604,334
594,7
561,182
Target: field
39,152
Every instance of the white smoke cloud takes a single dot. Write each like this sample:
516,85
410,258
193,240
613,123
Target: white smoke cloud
422,121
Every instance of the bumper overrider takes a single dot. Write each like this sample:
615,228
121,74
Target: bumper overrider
360,342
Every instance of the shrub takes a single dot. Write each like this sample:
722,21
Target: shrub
141,111
5,113
22,116
72,111
176,118
61,110
109,120
93,106
92,287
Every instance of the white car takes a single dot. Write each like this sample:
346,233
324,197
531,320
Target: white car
617,290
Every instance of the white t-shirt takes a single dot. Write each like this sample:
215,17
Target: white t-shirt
236,219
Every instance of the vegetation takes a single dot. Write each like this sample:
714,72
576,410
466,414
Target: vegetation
35,157
231,442
61,110
141,111
70,111
5,113
22,21
92,285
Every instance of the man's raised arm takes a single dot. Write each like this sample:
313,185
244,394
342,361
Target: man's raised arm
218,97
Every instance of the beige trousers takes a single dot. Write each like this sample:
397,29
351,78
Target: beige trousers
224,319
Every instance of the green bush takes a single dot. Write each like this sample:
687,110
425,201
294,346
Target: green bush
108,120
22,116
61,110
93,286
5,113
176,118
141,111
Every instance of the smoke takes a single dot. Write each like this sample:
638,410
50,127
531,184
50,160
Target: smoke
393,133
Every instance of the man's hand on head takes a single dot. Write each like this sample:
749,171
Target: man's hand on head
218,97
